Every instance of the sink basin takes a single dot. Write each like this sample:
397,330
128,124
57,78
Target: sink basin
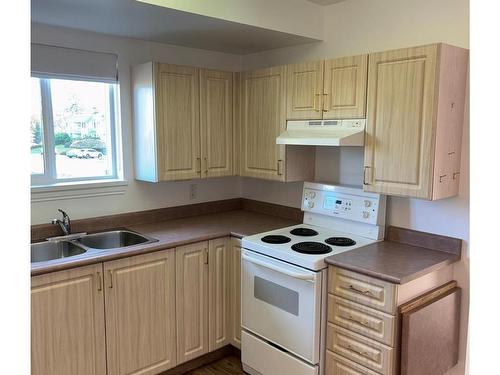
50,250
114,239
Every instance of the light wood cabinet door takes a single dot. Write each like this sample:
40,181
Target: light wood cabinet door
191,300
399,135
216,120
344,89
178,122
218,293
263,118
304,91
67,323
140,313
236,292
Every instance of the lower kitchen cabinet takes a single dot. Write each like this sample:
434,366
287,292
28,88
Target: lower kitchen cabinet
235,287
67,323
191,272
140,314
218,293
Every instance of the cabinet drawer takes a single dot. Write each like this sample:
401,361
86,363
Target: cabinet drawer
363,289
369,353
337,365
364,320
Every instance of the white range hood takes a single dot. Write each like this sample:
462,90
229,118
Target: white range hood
324,133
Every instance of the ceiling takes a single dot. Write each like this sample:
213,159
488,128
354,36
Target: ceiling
325,2
132,19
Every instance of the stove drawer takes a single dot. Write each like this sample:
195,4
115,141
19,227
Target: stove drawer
368,291
369,353
338,365
364,320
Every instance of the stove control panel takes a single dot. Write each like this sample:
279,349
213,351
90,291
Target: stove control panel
344,202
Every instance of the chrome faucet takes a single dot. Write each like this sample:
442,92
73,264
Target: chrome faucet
65,223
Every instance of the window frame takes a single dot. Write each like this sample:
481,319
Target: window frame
49,177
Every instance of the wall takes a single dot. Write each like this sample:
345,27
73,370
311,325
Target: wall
137,195
360,26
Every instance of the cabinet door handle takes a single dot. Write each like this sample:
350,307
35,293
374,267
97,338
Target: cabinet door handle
205,256
360,352
325,100
99,281
110,279
198,162
205,159
360,291
280,167
364,175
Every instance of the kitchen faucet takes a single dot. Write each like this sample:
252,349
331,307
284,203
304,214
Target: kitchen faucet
65,223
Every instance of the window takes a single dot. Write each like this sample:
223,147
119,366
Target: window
72,130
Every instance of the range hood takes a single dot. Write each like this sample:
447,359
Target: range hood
324,133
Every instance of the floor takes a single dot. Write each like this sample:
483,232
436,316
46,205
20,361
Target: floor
226,366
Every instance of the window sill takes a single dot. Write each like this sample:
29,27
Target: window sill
75,190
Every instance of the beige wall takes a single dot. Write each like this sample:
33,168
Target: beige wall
360,26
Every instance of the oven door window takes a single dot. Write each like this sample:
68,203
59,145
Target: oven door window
276,295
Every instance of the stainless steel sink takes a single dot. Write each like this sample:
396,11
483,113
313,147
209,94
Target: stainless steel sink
50,250
114,239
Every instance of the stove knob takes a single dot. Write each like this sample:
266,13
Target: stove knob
310,204
312,194
368,203
366,215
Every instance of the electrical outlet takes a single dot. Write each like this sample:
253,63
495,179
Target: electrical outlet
193,191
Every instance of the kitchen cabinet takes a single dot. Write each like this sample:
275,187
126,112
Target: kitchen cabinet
67,322
327,89
191,273
235,287
140,314
218,293
416,99
216,121
182,122
263,118
363,320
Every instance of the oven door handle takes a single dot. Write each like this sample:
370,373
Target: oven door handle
301,276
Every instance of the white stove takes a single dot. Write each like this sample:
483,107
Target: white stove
284,278
284,251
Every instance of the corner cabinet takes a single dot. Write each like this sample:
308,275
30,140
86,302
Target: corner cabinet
183,122
327,89
416,99
263,118
67,322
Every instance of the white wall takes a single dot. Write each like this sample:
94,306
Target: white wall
360,26
138,195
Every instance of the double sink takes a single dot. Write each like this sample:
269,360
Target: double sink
71,246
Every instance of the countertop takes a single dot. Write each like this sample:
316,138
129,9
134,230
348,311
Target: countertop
398,262
178,232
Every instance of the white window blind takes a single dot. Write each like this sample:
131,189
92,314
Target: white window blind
52,61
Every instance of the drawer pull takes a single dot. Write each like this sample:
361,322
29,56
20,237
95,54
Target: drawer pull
350,347
364,292
352,319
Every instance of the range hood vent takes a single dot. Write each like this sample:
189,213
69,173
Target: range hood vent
324,133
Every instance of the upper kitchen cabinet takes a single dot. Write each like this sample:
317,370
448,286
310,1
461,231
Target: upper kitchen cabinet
304,92
416,99
262,119
329,89
174,107
216,119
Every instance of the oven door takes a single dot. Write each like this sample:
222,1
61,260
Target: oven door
282,304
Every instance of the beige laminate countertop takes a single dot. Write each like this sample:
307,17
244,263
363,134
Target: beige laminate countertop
173,233
395,262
